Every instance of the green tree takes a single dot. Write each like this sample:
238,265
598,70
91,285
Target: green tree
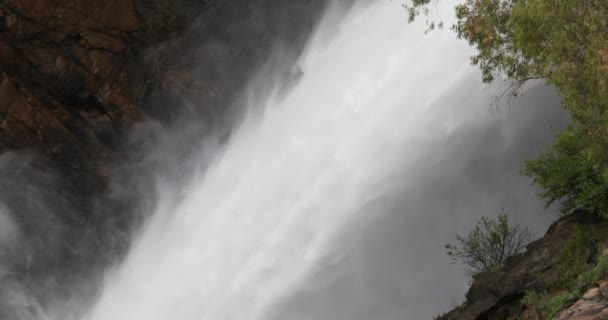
558,40
489,244
564,42
571,175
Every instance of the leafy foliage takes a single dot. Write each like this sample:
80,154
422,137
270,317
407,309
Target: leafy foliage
571,174
550,305
418,7
489,244
591,276
573,257
564,42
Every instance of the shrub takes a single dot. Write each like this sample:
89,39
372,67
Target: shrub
572,258
571,175
548,306
591,276
489,244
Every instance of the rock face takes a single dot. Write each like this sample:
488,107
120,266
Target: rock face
69,92
592,306
64,80
498,295
76,77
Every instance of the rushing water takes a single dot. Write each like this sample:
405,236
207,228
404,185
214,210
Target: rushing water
263,229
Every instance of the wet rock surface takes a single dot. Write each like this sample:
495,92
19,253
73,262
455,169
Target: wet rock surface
85,86
76,75
64,78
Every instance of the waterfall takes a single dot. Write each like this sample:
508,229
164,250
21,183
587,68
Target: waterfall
368,126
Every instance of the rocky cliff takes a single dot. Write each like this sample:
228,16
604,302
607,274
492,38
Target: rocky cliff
76,75
77,78
563,275
64,80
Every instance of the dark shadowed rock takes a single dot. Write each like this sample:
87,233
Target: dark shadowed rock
77,77
501,285
497,295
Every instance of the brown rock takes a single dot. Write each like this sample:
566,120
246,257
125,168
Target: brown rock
592,293
57,36
102,41
42,57
26,29
17,133
8,59
66,17
8,96
603,286
103,63
538,268
38,10
77,64
12,21
106,14
112,14
585,310
500,285
530,314
602,315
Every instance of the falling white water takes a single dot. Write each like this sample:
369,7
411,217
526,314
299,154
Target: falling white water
262,218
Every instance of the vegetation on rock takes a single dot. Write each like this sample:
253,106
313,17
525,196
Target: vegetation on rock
489,244
549,305
565,43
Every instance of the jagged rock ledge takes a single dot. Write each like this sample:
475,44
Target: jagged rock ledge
500,295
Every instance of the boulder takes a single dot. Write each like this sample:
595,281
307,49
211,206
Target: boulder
585,310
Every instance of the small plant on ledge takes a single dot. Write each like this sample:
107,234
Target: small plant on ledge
489,244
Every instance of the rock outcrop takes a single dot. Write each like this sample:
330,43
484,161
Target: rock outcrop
499,295
72,78
76,76
592,306
64,80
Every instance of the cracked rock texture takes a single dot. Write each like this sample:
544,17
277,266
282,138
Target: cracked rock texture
77,79
65,83
75,75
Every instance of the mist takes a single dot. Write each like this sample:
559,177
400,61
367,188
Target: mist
332,197
391,260
313,169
